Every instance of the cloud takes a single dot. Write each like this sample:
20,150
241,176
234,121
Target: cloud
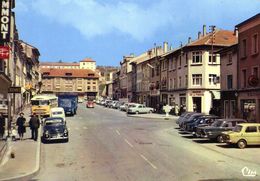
138,19
93,18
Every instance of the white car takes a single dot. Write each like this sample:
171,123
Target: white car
58,112
139,108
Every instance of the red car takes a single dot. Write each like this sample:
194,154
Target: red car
90,104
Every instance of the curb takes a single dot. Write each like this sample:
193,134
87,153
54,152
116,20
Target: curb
3,152
163,118
28,176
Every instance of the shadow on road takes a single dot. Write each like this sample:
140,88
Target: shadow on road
203,141
189,137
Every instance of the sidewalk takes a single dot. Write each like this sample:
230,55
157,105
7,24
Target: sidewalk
26,163
154,116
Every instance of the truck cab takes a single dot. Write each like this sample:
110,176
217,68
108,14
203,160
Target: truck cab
69,103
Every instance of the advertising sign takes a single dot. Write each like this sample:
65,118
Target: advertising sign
5,19
4,52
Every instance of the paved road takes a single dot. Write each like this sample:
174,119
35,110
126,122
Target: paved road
105,145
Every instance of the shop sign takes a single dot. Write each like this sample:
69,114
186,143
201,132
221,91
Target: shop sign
5,19
196,93
14,90
4,52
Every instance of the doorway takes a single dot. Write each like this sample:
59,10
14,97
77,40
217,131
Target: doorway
196,104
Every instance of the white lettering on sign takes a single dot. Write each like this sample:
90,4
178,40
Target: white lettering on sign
5,19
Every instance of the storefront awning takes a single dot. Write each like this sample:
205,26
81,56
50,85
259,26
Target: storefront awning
215,94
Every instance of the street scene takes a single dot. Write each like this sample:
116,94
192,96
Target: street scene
129,90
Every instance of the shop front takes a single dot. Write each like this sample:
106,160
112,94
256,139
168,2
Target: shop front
249,105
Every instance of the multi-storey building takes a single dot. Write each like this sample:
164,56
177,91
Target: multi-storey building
86,63
83,82
193,71
228,81
248,68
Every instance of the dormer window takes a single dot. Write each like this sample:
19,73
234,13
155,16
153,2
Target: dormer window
45,73
91,75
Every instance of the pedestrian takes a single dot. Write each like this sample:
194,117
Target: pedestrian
34,125
2,126
181,110
21,127
176,109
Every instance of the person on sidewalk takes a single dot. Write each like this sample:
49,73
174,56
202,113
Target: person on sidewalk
21,127
34,125
2,126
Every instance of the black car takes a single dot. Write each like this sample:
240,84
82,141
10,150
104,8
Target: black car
204,120
192,118
214,132
54,128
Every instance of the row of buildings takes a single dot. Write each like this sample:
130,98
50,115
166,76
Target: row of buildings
19,63
218,71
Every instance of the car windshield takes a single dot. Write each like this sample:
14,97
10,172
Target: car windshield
237,128
217,123
40,102
54,122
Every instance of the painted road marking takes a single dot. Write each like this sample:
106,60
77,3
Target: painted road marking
85,127
118,132
129,143
152,165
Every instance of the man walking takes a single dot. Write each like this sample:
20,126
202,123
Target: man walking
34,125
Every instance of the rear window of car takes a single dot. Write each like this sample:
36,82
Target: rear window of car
57,113
251,129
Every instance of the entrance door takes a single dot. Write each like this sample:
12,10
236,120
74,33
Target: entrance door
196,104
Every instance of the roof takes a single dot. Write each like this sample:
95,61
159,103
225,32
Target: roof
43,97
59,64
76,73
248,20
222,38
87,60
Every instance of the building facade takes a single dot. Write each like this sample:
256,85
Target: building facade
248,68
82,82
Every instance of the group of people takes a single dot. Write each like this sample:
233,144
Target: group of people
34,124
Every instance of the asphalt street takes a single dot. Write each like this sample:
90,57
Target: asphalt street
106,145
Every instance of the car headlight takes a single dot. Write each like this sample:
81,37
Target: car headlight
47,132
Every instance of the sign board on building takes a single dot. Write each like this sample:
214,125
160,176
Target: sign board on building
4,52
14,90
5,20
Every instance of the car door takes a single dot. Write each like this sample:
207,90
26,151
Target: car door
251,134
142,109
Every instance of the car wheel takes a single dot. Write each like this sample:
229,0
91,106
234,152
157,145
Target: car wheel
150,111
241,144
220,139
137,112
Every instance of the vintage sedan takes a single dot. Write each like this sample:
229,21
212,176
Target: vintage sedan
139,108
214,132
54,128
243,134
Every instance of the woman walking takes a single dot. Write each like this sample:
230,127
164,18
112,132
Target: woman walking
21,127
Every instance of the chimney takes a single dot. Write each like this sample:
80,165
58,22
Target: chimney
199,35
189,40
204,30
236,32
165,47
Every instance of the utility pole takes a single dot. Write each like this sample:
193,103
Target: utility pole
213,31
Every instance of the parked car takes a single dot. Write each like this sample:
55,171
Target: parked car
118,104
123,107
54,128
90,104
139,108
214,132
112,104
107,103
192,118
185,117
80,100
243,134
201,121
58,112
181,117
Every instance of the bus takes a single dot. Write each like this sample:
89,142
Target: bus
42,104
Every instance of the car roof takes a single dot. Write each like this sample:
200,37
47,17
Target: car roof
57,109
249,124
232,119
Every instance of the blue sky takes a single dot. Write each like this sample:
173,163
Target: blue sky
106,30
